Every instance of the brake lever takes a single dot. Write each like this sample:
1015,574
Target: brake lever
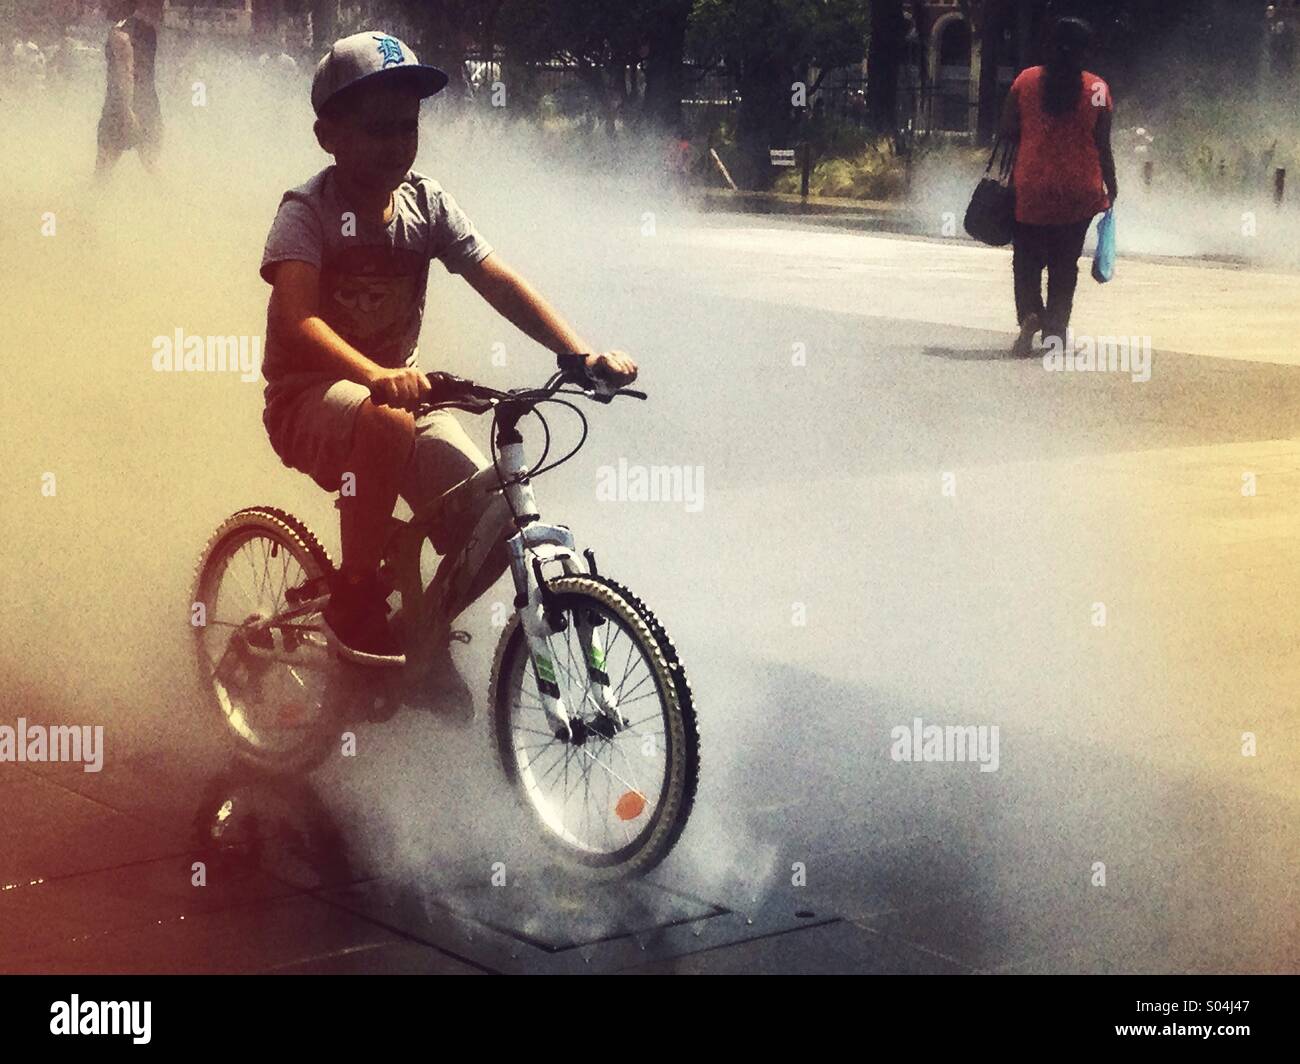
598,396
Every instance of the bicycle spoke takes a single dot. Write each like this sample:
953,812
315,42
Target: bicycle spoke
582,789
534,731
240,586
269,703
597,762
627,667
618,630
630,770
639,682
639,698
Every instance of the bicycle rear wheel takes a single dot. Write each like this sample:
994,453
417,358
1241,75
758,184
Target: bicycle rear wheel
282,712
613,801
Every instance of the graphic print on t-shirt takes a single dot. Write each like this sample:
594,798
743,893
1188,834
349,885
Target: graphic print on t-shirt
369,296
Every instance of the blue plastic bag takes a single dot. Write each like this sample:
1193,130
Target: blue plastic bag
1103,262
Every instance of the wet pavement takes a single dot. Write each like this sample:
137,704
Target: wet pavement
114,891
830,591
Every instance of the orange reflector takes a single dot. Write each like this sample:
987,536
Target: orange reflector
630,806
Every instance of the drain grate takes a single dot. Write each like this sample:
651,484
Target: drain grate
552,928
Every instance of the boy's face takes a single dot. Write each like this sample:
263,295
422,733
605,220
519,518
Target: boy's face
374,142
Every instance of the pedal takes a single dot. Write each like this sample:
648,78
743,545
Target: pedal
382,708
262,638
316,587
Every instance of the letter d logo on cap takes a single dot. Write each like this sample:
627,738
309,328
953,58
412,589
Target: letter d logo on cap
390,51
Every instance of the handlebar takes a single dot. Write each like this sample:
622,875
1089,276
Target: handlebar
452,392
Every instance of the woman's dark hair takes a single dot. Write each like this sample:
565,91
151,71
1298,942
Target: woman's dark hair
1066,48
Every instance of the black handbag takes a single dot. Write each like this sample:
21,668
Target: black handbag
992,211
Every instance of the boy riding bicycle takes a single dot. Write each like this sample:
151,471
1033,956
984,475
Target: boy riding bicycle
348,260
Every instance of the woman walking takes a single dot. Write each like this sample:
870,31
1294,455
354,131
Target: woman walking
131,117
1061,115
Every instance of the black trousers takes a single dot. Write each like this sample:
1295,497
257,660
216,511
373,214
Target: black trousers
1056,249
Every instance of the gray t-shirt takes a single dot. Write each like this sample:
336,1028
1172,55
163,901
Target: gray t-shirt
372,276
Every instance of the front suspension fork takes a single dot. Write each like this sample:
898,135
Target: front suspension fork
542,618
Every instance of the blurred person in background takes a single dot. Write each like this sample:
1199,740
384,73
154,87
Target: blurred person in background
131,118
1060,114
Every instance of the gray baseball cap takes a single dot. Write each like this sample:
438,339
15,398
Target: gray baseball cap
370,56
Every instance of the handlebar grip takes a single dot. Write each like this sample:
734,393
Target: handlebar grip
575,367
447,386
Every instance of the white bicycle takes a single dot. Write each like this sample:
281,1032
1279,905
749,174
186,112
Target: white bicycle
591,711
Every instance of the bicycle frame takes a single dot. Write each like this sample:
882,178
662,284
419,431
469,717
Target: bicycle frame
502,497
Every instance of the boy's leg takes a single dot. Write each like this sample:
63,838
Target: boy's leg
443,456
333,432
382,439
357,613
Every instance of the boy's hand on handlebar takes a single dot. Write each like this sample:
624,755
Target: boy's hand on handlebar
404,387
613,367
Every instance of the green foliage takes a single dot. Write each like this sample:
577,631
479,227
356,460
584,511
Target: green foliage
792,34
766,46
872,171
588,32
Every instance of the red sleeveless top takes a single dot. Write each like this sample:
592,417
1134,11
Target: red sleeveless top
1058,169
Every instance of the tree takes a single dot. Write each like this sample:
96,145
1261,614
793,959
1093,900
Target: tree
991,21
606,44
885,56
324,24
447,30
666,31
768,45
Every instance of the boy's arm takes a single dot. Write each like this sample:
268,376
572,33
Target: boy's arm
523,306
295,316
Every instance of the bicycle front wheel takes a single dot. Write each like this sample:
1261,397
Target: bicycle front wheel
613,799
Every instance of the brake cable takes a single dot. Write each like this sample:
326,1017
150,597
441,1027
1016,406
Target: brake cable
582,440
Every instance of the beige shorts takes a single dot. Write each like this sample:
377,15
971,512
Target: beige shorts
315,437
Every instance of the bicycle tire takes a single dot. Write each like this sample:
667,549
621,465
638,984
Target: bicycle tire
669,819
315,561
